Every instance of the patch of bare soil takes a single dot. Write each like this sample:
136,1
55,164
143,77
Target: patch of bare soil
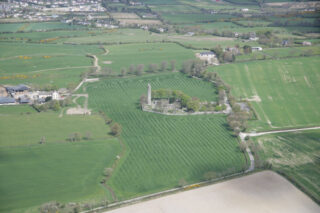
262,192
254,98
78,111
295,5
107,62
201,38
139,21
125,16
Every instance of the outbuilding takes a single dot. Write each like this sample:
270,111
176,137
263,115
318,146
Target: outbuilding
7,100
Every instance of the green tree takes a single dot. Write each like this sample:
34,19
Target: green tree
173,65
164,66
247,49
55,106
116,129
193,105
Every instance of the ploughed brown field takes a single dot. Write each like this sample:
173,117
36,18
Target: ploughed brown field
260,192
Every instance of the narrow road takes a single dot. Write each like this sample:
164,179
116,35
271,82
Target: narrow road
243,135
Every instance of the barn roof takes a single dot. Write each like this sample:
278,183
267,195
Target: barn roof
7,100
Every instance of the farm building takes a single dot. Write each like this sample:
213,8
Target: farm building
256,49
7,100
306,43
24,100
15,89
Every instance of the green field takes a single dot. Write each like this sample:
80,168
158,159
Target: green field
44,63
122,56
161,150
36,125
34,173
288,89
24,27
296,155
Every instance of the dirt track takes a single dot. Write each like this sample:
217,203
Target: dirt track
260,192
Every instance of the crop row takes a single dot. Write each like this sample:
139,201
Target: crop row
164,149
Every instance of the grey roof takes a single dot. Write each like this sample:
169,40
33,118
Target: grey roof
24,100
20,87
207,53
7,100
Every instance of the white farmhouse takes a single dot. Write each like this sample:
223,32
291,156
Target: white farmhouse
209,57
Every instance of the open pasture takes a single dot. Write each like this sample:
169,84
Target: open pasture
37,26
288,88
48,36
33,126
122,56
64,172
118,36
34,173
161,150
296,155
44,63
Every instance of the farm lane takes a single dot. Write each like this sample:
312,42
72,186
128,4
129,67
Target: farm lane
254,134
243,135
61,68
95,62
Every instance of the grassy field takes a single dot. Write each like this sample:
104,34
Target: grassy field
24,27
44,63
161,150
122,56
288,90
296,155
274,53
118,36
37,125
34,173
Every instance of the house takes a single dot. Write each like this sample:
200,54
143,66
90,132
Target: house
244,10
190,34
285,43
161,30
256,49
209,57
55,95
253,36
7,100
306,43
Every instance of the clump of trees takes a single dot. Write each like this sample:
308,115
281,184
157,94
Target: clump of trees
237,121
116,129
191,103
193,67
54,105
223,56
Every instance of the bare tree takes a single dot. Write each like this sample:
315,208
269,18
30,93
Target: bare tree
164,66
123,72
42,140
173,65
132,68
